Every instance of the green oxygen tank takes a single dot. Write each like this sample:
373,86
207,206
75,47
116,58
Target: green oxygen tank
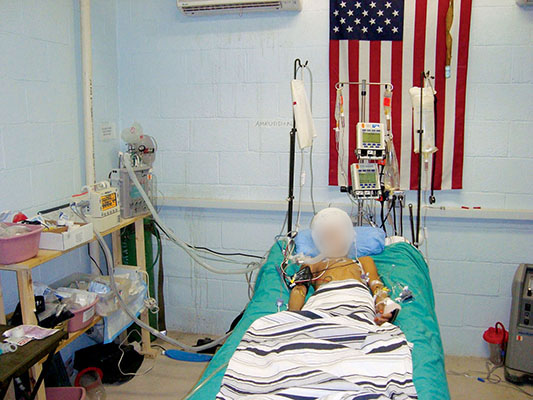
129,257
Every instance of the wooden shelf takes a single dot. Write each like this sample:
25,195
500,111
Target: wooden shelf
72,336
44,256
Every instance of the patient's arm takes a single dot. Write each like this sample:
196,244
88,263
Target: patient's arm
375,285
297,298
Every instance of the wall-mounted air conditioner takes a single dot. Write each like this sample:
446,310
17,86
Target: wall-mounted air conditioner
209,7
524,2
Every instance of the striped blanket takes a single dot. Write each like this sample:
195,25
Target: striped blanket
332,350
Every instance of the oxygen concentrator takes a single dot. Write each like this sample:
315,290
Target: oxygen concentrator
519,357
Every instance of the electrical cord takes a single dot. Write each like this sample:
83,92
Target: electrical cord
207,250
94,261
122,356
490,377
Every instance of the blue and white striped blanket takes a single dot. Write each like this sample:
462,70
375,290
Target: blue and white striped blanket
332,350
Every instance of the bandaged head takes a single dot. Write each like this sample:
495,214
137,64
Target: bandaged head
332,232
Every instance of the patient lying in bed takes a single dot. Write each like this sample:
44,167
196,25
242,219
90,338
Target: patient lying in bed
334,346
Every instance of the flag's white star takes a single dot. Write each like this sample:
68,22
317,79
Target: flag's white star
395,13
379,29
372,21
380,13
388,4
343,4
350,13
387,21
357,21
343,20
365,13
358,4
336,13
336,29
394,30
364,29
349,29
373,4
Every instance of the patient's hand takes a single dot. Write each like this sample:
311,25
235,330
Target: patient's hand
381,318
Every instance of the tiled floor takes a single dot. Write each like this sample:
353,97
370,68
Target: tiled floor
173,380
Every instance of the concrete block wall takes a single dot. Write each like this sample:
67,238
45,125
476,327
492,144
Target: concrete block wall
215,92
41,122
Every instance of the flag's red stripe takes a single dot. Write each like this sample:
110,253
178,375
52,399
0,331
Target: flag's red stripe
396,80
374,95
460,95
418,68
353,70
440,87
333,79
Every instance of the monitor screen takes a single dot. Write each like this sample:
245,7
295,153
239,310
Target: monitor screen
371,137
367,177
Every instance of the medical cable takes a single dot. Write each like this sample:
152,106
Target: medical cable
217,253
133,317
201,384
490,377
174,238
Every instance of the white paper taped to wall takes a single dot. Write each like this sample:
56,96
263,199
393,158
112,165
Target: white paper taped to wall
305,126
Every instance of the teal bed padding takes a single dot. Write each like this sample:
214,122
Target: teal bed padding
399,263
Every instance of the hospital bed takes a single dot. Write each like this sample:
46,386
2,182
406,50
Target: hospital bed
398,263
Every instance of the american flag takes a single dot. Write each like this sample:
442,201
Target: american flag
394,41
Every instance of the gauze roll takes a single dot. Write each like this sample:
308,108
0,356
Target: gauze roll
332,232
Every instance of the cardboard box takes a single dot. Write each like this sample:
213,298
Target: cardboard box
62,239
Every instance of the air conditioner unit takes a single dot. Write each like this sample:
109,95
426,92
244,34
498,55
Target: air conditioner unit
524,2
210,7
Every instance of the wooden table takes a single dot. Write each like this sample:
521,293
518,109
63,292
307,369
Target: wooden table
25,285
17,363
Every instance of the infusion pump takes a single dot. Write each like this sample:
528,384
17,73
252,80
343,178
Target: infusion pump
103,208
370,141
365,181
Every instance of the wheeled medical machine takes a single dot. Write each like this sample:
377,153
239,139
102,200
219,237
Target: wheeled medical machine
519,355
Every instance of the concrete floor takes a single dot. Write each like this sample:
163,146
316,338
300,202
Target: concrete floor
171,379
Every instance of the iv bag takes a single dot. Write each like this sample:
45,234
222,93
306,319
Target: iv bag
428,119
305,126
391,172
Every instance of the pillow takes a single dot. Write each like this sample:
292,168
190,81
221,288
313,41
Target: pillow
369,241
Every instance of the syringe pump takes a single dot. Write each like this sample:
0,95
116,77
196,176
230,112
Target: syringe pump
365,181
102,206
370,141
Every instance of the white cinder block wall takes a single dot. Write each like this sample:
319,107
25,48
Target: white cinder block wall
215,92
41,123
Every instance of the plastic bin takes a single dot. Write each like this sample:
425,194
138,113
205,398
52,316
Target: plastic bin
65,393
85,315
82,317
19,248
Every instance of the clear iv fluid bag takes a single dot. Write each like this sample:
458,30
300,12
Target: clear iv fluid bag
391,172
428,119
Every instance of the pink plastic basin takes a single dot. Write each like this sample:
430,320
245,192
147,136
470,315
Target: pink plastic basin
65,393
21,247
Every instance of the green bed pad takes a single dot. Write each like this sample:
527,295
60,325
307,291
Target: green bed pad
398,263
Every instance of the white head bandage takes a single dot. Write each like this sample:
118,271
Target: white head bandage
332,232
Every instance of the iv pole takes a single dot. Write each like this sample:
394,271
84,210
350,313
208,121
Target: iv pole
290,199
